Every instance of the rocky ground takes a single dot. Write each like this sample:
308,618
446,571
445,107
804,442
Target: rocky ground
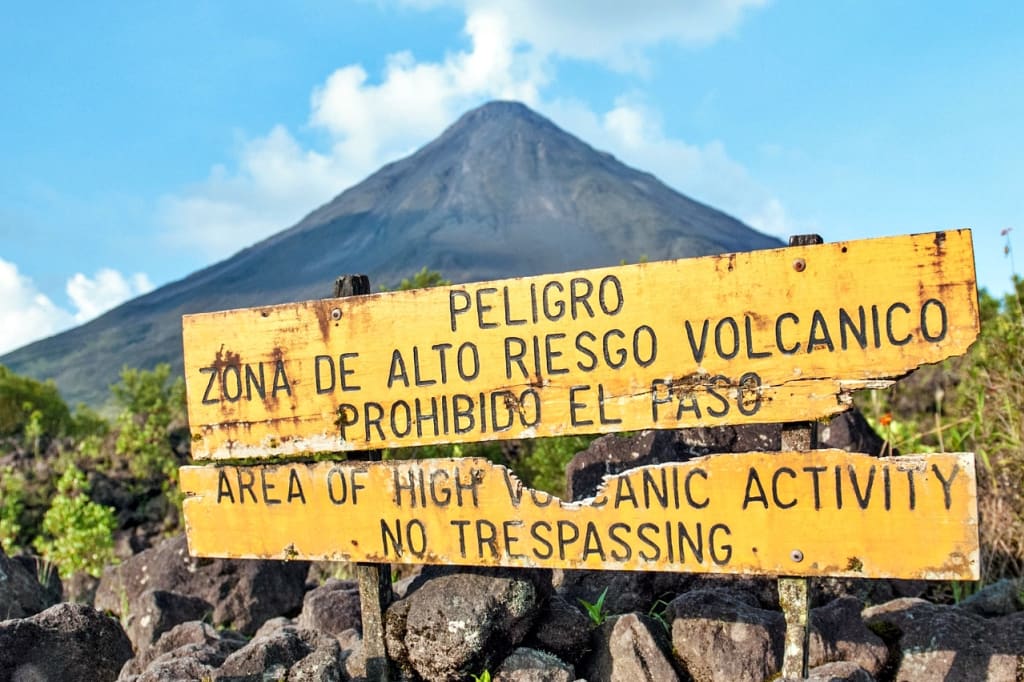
163,615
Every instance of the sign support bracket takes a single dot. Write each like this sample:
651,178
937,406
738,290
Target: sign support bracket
375,594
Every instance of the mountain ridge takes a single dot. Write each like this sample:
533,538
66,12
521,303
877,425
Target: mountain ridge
502,192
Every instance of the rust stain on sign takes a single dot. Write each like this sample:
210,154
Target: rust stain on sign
818,513
732,339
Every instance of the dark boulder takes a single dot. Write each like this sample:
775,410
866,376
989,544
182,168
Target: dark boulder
722,636
562,629
244,593
332,608
21,593
947,643
282,654
633,648
64,642
457,624
187,646
530,665
838,634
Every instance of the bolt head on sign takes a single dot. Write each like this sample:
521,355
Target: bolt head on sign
767,336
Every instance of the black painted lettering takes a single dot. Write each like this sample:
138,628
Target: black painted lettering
482,308
889,324
947,483
461,525
515,356
267,487
559,304
859,331
754,480
509,320
224,486
719,380
926,326
574,405
401,419
603,296
865,498
690,500
295,491
468,348
550,354
462,413
586,351
698,349
621,356
442,497
720,553
779,343
613,534
648,358
255,383
581,289
486,534
318,361
775,488
510,539
751,353
454,308
247,484
543,540
567,533
373,420
624,491
348,415
814,472
819,334
337,495
592,543
212,371
422,417
749,399
391,540
641,532
683,537
727,350
281,382
650,487
401,487
602,416
231,393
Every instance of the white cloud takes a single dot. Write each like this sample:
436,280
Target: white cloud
369,122
27,315
610,31
92,297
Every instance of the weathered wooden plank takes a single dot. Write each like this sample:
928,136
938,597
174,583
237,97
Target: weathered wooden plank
817,513
767,336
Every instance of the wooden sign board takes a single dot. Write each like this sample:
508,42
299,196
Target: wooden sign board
817,513
767,336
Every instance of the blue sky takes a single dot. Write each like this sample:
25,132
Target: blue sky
141,141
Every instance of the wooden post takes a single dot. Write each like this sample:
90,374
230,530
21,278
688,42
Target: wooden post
794,593
375,593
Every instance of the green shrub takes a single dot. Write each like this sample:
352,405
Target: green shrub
23,399
77,532
12,506
148,403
